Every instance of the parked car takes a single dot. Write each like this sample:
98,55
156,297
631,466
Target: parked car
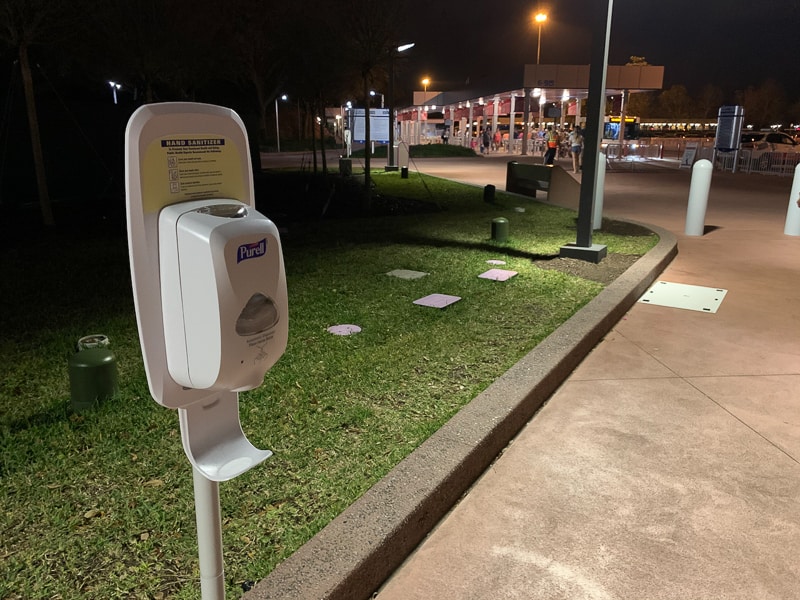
759,142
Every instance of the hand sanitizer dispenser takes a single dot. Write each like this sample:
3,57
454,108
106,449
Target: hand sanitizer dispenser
209,289
223,294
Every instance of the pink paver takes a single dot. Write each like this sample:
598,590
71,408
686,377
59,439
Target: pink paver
437,300
344,329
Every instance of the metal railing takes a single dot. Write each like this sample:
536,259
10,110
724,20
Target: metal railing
768,163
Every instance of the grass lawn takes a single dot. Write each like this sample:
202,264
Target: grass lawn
100,504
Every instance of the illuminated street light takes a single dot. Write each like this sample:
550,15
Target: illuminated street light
425,83
114,87
374,93
540,18
284,97
390,163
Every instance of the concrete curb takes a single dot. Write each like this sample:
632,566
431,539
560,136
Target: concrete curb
355,553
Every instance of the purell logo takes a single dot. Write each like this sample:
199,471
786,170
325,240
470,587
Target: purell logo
252,250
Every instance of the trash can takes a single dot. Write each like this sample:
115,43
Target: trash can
92,373
346,167
500,229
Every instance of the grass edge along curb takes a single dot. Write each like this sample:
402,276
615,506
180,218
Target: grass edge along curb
355,553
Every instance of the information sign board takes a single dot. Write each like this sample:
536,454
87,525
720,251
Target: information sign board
729,128
378,125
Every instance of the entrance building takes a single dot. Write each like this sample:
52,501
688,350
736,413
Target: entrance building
549,95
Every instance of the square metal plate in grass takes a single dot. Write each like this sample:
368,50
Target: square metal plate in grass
346,329
498,274
437,300
681,295
406,274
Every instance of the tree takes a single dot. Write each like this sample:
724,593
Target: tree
26,26
160,50
641,104
711,98
793,112
675,102
764,105
326,78
372,31
256,35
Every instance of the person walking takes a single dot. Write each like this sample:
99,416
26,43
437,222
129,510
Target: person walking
576,147
552,146
487,140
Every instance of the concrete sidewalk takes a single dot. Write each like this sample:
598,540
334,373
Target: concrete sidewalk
664,464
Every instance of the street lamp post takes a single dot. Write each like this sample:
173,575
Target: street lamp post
540,18
114,87
391,166
425,83
284,97
374,93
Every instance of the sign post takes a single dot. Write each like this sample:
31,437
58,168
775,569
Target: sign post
729,132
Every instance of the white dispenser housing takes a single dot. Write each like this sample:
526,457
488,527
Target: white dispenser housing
223,294
207,273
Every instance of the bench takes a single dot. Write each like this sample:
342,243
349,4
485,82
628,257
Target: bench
527,179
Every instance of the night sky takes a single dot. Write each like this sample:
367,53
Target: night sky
731,43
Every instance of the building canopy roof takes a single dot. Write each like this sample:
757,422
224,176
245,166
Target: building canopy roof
569,80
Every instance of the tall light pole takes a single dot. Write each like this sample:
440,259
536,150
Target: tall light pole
593,132
540,18
284,97
425,82
114,87
391,166
374,93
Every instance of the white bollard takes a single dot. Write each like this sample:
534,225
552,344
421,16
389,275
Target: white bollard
792,226
698,197
597,209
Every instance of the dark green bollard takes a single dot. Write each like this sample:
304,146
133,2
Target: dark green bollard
92,373
488,193
500,229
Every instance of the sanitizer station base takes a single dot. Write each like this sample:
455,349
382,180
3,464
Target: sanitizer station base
210,291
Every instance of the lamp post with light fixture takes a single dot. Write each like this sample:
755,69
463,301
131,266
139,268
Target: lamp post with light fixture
284,97
114,87
540,18
426,81
390,156
374,93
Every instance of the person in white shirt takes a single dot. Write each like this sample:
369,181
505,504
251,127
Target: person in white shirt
576,146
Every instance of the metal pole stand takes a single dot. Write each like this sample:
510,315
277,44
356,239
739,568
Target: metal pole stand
209,537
